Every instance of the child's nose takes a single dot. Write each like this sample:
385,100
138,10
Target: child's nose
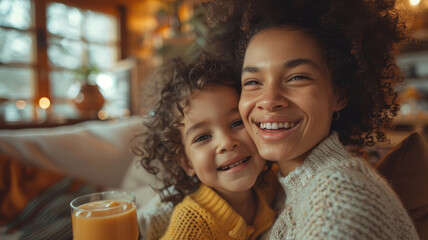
227,143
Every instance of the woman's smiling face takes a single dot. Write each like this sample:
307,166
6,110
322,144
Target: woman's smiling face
287,99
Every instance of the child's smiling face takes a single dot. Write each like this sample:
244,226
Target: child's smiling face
217,146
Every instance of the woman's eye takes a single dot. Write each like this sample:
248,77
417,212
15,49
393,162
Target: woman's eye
299,77
201,138
237,124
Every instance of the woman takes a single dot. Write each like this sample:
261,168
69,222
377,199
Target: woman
318,75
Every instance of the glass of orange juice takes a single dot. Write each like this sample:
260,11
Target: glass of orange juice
108,215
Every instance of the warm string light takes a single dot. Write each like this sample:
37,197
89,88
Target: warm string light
103,115
20,104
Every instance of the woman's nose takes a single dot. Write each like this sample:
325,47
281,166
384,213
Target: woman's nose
271,99
227,142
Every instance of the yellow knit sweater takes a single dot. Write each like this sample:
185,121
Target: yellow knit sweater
205,215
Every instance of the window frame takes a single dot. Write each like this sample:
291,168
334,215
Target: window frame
38,30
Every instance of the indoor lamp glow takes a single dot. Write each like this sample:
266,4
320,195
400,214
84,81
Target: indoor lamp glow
44,102
414,2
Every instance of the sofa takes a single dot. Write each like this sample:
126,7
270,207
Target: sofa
48,167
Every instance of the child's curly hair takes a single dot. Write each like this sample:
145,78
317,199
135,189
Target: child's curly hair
358,38
161,145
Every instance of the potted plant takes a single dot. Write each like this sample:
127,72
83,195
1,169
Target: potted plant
89,100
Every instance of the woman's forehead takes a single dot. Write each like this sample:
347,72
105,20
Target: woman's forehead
283,46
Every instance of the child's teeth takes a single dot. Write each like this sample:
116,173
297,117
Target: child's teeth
234,165
274,125
286,125
230,166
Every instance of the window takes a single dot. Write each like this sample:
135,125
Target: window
77,39
17,60
43,47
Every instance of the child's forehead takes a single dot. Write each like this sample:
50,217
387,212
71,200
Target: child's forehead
213,88
212,94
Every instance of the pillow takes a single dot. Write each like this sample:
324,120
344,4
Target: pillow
95,151
140,182
406,169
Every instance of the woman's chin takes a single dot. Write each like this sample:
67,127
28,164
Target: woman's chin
281,153
270,153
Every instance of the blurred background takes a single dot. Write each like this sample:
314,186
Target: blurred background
68,61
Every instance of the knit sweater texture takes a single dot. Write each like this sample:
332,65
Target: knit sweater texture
334,195
205,215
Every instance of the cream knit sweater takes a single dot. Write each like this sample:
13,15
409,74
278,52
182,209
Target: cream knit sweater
336,196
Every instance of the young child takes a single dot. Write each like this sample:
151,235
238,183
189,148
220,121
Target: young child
197,144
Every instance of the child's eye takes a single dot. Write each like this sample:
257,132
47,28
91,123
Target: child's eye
250,82
201,138
237,123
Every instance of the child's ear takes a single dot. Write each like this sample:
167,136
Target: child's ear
187,166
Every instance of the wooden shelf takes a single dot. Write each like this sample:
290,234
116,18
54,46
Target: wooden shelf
416,123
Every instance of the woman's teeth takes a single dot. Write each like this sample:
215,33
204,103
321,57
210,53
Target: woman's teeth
275,125
225,168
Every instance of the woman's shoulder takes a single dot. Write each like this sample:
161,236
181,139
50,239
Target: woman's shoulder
352,175
354,197
353,185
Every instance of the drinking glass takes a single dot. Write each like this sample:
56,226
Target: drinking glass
110,215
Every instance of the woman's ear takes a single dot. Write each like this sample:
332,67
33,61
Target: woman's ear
341,99
187,166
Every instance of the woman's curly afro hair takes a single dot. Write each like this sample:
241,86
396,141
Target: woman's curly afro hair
358,39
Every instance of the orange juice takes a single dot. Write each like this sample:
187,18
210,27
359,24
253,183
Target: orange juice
105,220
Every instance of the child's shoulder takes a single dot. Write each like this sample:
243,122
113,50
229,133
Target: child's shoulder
267,184
192,204
188,220
188,207
268,177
